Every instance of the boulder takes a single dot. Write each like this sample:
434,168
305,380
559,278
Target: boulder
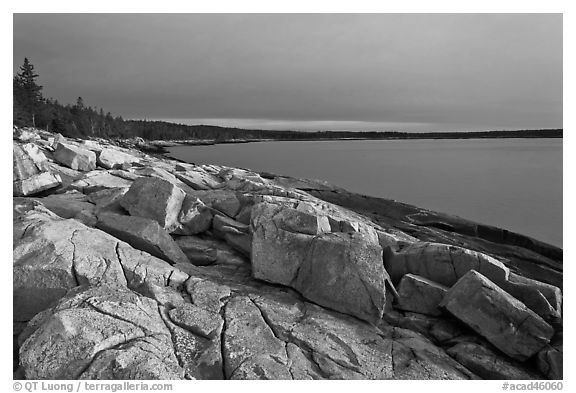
98,181
101,333
197,179
35,184
112,159
155,198
497,316
441,263
342,271
488,364
143,234
75,157
224,201
420,295
194,217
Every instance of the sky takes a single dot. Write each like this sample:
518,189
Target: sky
372,72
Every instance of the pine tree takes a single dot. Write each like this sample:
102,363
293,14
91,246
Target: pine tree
26,91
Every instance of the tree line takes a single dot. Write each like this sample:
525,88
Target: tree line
32,109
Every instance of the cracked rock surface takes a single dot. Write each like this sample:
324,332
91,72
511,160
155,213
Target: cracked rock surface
132,266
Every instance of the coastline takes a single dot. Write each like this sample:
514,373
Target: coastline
235,251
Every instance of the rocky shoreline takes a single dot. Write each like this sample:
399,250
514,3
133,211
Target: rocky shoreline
129,265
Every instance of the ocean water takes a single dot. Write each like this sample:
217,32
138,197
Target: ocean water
514,184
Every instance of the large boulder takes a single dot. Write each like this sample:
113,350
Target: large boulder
112,158
342,271
100,333
155,198
143,234
497,316
75,157
197,178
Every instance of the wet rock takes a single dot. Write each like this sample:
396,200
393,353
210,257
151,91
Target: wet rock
154,198
494,314
75,157
143,234
420,295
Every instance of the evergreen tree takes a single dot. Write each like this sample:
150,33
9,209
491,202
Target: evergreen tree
26,91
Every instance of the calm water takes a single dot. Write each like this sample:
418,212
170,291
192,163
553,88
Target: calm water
511,183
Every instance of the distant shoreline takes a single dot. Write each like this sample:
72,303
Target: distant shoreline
195,142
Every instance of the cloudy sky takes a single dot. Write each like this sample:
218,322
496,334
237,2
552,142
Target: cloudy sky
411,72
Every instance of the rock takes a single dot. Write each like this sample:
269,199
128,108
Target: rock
494,314
156,199
108,199
198,179
207,294
101,333
342,271
200,252
488,364
112,158
236,234
197,320
143,234
53,255
544,299
549,362
29,171
224,201
440,263
98,181
194,217
75,157
24,135
249,341
36,183
420,295
68,205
